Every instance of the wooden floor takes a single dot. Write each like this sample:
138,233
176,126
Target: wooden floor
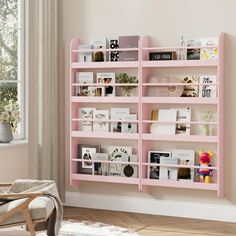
150,225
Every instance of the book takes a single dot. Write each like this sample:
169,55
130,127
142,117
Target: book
86,113
166,115
100,126
85,56
190,90
85,152
83,78
209,53
128,42
114,44
183,114
99,43
117,154
153,172
209,91
185,157
118,114
129,170
100,168
193,53
129,127
107,78
166,172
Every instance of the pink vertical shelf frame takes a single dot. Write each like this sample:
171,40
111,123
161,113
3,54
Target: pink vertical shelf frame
217,64
143,65
76,101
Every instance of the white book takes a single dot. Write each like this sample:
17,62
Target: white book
107,78
86,113
85,56
166,115
100,168
118,114
185,157
209,91
83,78
183,114
129,127
166,172
129,170
116,154
209,53
99,43
100,126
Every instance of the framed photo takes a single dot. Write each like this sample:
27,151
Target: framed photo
85,153
153,172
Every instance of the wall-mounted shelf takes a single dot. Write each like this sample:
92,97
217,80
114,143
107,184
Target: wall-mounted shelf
143,141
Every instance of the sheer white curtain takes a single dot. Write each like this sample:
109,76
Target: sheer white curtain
46,93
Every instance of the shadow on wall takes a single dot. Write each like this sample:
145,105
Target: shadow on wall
230,117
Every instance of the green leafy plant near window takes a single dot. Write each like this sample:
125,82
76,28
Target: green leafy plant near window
123,78
10,114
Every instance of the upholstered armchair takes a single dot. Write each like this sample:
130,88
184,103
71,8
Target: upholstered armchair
32,209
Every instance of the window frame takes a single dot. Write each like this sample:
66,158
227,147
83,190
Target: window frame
21,81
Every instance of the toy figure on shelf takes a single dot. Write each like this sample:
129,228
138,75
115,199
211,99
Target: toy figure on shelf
204,161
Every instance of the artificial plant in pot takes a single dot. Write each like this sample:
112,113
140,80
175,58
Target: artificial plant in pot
9,118
124,78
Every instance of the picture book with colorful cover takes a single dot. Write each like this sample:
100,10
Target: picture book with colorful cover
209,53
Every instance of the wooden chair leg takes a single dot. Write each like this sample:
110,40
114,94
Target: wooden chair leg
51,224
29,222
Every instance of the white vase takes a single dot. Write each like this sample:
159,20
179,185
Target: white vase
204,129
6,135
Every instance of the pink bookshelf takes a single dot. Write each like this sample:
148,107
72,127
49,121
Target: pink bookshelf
144,141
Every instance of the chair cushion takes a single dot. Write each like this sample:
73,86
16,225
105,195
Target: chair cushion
40,208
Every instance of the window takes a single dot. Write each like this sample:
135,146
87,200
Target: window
12,56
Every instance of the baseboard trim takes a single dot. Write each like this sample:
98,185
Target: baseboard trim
218,212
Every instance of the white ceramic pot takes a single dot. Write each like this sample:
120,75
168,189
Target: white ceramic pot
6,135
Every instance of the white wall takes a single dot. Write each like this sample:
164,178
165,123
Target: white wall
165,21
14,163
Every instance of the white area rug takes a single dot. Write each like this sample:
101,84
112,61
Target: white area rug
77,228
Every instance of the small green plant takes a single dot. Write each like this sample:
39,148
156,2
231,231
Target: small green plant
10,114
123,78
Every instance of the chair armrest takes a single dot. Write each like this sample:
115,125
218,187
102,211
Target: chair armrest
5,184
14,196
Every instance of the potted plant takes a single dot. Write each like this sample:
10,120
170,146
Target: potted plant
9,118
123,78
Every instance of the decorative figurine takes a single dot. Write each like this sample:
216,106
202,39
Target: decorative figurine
204,161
